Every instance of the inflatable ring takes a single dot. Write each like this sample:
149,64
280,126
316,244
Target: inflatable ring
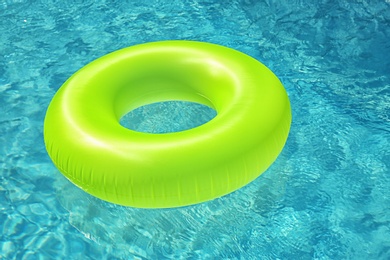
88,145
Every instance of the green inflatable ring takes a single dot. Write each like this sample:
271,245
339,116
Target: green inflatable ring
88,145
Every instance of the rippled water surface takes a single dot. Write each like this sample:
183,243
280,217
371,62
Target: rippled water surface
327,196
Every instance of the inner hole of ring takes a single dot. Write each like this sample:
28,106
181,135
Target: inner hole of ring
167,117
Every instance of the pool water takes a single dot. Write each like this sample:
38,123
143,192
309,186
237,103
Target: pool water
327,196
167,117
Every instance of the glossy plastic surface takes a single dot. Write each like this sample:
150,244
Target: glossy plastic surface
88,145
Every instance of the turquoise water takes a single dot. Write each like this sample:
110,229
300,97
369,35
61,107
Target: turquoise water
326,197
167,117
